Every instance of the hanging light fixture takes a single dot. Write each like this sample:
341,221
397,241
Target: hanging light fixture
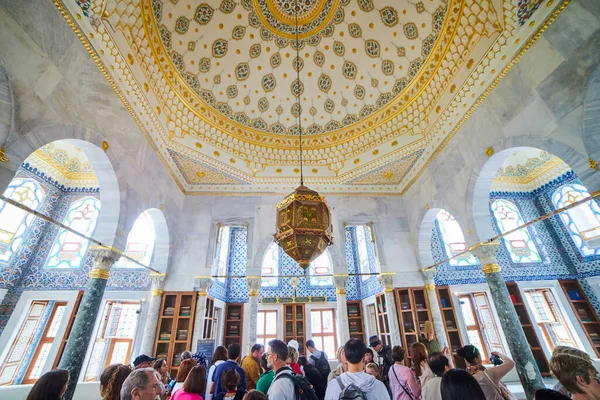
303,221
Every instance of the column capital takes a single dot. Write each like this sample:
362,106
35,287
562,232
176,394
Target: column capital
105,257
203,283
340,281
253,283
429,275
486,253
387,281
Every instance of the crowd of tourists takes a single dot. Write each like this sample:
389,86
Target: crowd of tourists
377,372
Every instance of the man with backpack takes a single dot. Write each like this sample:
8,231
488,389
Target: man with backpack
355,383
286,385
318,358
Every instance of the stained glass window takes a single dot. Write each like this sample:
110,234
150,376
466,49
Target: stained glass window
454,240
14,222
222,252
521,247
69,249
583,221
270,267
140,243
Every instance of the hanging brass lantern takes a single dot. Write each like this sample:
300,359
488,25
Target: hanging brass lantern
303,225
303,218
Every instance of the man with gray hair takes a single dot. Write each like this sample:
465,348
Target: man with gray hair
185,355
141,384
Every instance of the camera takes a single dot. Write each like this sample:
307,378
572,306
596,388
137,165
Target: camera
496,360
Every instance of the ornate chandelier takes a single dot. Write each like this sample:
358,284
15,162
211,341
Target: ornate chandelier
303,221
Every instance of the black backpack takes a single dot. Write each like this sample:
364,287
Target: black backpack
350,392
304,390
322,365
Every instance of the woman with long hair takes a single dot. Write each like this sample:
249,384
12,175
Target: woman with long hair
218,358
51,386
403,384
194,385
160,365
458,384
184,369
490,379
420,368
112,379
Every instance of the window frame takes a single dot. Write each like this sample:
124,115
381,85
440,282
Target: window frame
45,339
534,255
38,319
265,336
26,219
465,260
547,328
109,343
59,241
479,327
568,221
321,335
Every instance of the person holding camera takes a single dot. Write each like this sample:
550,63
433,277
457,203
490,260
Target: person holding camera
490,379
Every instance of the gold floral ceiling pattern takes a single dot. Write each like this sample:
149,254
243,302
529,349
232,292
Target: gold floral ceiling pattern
383,84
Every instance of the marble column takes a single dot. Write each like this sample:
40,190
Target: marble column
387,281
340,282
81,332
203,284
152,314
527,368
434,308
253,283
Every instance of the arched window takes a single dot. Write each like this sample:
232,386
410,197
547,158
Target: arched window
69,249
454,240
270,267
583,221
320,271
14,222
140,243
521,247
222,252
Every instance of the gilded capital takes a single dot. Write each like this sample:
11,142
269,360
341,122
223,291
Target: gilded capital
158,280
387,281
486,252
490,268
105,257
253,283
156,292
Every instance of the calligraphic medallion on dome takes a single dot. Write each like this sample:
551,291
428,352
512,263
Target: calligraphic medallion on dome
280,16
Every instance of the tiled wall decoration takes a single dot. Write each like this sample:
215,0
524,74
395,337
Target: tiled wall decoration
560,258
26,269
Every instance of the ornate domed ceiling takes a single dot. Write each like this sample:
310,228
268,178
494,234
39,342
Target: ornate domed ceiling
355,57
384,84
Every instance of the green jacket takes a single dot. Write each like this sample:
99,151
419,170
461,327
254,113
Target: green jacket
432,345
264,383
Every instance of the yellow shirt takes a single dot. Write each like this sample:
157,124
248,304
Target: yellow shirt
252,371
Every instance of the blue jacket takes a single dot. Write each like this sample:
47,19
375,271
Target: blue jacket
226,366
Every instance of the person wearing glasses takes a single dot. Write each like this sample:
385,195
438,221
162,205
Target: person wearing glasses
282,388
